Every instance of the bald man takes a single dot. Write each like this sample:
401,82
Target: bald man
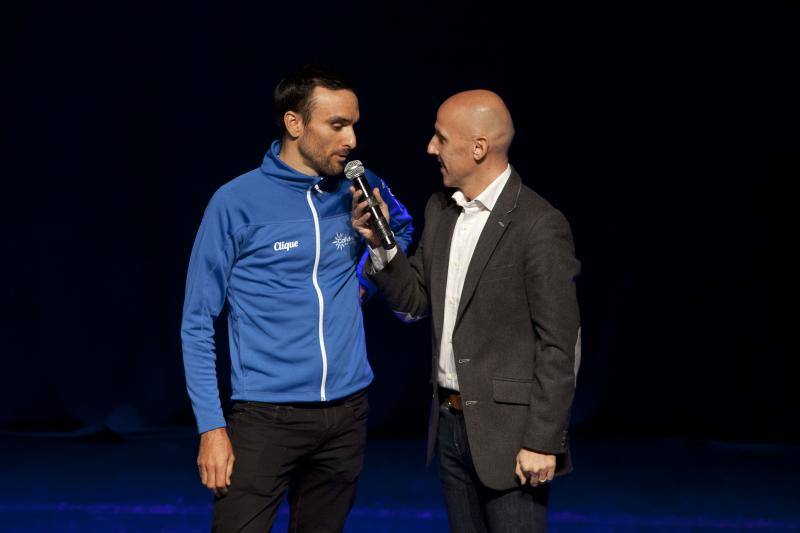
495,270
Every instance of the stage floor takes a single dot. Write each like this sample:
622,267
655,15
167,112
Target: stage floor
148,483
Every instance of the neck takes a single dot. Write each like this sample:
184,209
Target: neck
482,179
290,154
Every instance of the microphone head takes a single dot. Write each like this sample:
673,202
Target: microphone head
353,169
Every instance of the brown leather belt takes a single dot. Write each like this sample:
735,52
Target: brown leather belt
451,398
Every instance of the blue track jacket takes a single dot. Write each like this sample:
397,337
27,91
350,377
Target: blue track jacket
288,262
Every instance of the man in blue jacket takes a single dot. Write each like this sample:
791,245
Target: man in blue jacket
276,244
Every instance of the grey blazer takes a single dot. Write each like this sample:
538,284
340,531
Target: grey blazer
516,331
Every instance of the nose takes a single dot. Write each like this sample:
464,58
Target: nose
432,146
350,138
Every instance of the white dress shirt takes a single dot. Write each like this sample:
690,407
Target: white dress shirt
466,233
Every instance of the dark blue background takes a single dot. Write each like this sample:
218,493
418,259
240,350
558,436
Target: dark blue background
664,132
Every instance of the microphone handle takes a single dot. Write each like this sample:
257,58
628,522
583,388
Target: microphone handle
378,221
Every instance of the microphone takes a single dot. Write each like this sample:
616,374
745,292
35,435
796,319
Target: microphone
354,171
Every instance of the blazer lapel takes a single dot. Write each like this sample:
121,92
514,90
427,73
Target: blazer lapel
440,264
496,225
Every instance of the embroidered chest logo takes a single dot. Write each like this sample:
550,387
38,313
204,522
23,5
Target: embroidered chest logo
341,240
285,246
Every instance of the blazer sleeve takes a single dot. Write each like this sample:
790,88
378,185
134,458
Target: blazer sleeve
400,223
403,281
550,272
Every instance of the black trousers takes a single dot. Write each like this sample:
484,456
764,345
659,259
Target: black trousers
315,451
471,506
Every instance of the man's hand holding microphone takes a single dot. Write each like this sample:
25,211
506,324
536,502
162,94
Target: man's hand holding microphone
370,216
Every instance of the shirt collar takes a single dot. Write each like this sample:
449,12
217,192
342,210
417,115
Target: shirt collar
488,197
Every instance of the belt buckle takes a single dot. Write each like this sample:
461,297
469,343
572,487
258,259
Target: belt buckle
452,405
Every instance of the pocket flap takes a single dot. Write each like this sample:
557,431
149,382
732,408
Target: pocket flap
511,391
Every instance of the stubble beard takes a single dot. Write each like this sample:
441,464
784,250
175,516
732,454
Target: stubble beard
322,164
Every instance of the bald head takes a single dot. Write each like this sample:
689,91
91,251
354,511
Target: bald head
481,113
472,135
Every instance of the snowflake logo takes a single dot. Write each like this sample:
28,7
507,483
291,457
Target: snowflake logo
342,239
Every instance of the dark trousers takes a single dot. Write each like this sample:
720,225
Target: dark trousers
314,451
473,507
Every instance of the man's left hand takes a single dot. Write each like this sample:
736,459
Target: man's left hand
534,467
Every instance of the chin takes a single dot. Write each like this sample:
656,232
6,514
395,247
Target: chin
334,169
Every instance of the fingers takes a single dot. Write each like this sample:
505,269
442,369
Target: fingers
542,476
520,475
229,470
359,207
361,217
208,476
533,478
538,477
358,198
357,203
356,195
361,221
211,478
221,487
360,204
217,477
203,474
215,460
537,468
381,203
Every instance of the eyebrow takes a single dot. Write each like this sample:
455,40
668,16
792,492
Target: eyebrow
439,134
337,118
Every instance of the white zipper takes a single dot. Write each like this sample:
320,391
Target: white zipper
319,297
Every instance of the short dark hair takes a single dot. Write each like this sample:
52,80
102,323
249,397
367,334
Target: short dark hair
293,93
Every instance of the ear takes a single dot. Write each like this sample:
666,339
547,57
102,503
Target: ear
294,124
480,147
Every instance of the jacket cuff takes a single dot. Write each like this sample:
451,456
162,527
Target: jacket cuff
554,445
210,421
